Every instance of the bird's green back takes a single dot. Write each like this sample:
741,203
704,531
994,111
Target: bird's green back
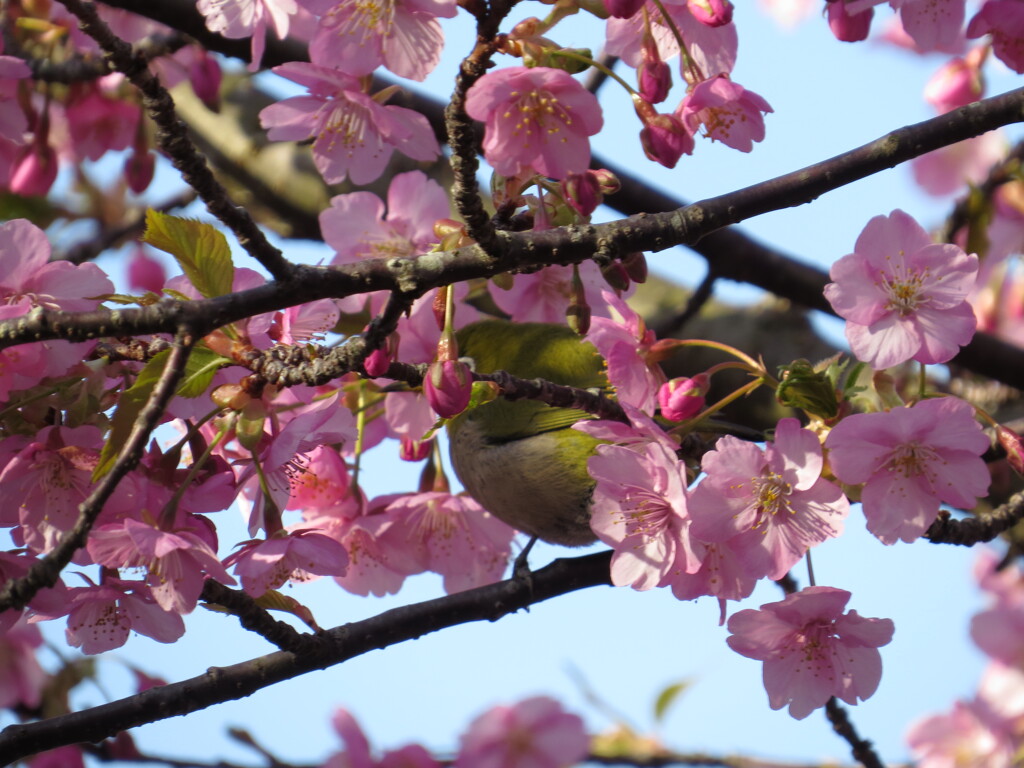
529,351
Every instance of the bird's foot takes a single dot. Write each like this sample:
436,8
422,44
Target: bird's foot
521,567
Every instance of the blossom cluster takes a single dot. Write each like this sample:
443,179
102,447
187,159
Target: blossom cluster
289,456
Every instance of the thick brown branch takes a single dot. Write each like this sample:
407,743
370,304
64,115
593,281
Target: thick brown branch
974,530
862,749
222,684
567,245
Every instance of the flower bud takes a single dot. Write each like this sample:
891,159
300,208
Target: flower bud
655,80
139,167
205,76
665,139
623,9
683,398
1012,443
847,27
711,13
415,450
954,85
808,389
635,265
448,386
377,362
34,170
616,276
582,192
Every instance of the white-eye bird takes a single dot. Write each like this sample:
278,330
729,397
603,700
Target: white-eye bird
521,460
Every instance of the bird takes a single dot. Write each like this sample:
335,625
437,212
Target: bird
521,460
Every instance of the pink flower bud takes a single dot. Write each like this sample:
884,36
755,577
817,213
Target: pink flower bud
448,386
145,273
34,171
847,27
1014,447
376,363
665,139
623,9
683,398
582,191
655,80
954,85
415,450
139,167
711,13
205,76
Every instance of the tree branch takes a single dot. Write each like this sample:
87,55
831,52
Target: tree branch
335,646
568,245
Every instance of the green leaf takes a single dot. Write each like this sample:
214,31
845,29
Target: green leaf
200,249
199,370
129,406
272,600
667,698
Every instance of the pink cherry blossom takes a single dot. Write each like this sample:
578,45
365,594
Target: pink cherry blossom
449,535
537,118
283,456
301,554
248,18
911,460
12,118
98,123
776,500
724,572
903,297
640,509
101,617
304,322
353,136
970,734
1004,21
729,112
22,679
177,562
403,35
626,344
49,478
356,227
640,430
533,733
950,169
710,50
544,295
812,650
373,567
934,25
27,272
